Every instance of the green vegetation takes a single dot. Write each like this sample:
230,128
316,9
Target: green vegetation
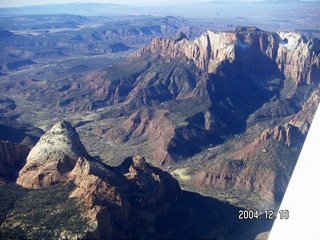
9,194
39,214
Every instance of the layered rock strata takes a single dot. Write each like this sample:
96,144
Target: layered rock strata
295,55
134,192
55,154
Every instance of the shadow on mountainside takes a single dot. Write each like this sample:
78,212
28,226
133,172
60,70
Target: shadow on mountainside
192,217
199,217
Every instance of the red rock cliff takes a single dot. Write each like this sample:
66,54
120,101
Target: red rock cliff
134,193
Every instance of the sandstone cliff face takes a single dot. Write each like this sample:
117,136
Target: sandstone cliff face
303,119
259,170
134,192
204,88
207,51
296,56
55,154
288,134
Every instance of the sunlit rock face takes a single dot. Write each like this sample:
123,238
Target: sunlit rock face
291,51
55,154
134,192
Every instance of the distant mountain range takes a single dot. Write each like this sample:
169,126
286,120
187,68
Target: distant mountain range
90,9
268,15
71,8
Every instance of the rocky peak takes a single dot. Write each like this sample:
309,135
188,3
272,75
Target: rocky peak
55,154
297,57
294,55
139,162
179,37
62,137
247,29
108,195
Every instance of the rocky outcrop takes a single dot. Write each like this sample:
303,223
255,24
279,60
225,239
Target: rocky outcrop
298,57
295,56
288,134
260,169
303,119
55,154
134,192
154,127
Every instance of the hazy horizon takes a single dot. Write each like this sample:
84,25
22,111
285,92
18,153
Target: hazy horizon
21,3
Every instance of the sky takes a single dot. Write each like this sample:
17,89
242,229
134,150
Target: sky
19,3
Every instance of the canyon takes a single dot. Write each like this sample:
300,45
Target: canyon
146,198
177,99
145,125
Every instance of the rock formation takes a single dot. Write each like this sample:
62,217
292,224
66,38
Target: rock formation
12,159
180,99
303,119
288,134
134,192
291,51
54,155
260,169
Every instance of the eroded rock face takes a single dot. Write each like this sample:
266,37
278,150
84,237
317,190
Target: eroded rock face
55,154
260,169
190,90
303,119
12,158
134,193
291,51
295,52
288,134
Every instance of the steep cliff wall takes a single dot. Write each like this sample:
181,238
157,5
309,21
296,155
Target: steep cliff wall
296,56
12,159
